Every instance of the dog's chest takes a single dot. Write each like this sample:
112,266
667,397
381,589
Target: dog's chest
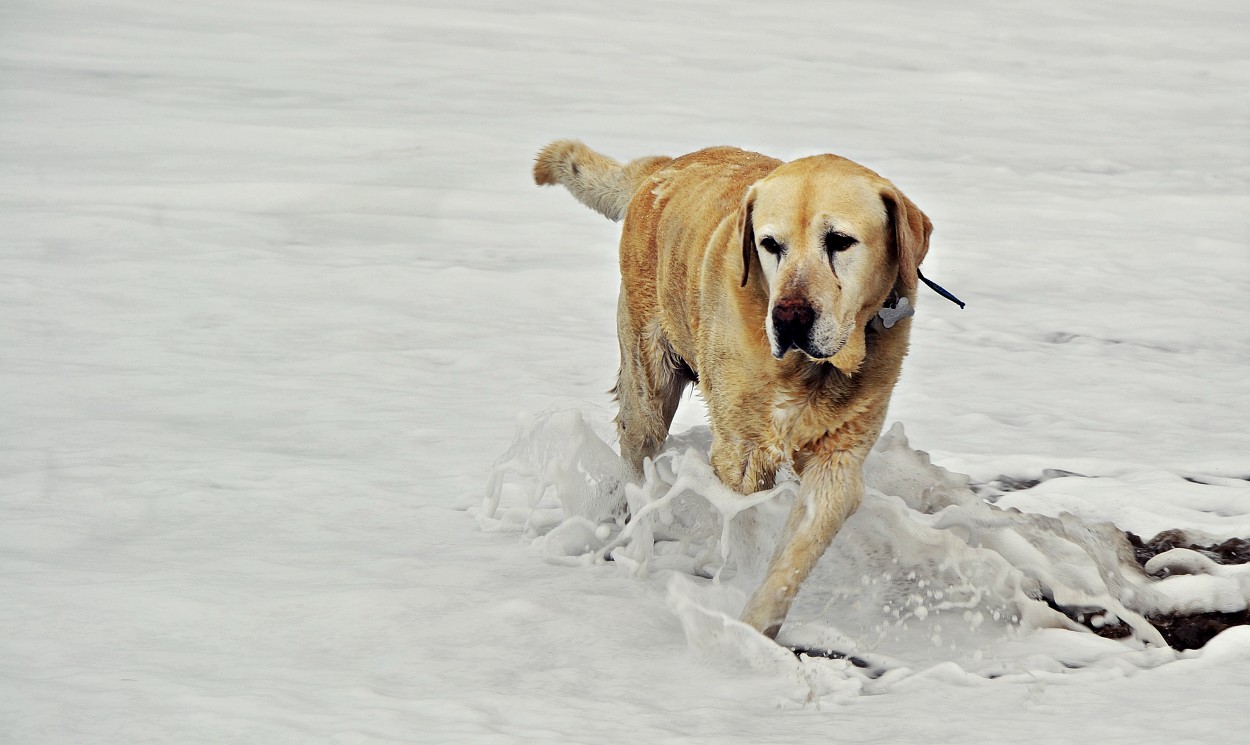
798,422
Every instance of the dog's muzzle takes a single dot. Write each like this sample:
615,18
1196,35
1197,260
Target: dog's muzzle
792,327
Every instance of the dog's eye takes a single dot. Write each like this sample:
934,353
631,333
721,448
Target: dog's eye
771,246
835,241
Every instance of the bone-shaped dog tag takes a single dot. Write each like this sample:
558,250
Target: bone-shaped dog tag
891,316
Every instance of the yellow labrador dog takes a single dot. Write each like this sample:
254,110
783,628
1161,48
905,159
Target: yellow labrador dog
763,282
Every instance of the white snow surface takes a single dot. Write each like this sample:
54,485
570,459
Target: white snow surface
278,296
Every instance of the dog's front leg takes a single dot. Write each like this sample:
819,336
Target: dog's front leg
830,490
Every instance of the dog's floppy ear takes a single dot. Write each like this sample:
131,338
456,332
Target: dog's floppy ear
746,230
910,229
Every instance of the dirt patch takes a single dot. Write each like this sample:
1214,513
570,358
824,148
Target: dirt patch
1194,630
1191,631
1232,551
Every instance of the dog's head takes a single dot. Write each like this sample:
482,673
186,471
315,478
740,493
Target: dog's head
831,239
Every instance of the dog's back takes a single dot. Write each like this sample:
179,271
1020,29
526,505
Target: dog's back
671,207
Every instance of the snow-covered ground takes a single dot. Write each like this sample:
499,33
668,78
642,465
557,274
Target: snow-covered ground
275,286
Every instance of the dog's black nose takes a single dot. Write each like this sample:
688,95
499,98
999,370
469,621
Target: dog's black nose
792,323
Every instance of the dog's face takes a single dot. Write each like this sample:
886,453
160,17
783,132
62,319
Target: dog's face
831,239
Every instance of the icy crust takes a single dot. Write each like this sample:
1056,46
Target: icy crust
926,576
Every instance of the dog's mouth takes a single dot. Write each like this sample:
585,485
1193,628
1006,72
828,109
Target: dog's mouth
809,349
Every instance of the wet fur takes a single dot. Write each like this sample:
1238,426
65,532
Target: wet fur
695,303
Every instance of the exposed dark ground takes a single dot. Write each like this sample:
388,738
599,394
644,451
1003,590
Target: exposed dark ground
1195,630
1190,631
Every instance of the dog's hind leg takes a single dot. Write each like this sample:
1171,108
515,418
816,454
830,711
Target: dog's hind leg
649,387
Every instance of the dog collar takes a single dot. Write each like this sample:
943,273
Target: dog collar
898,307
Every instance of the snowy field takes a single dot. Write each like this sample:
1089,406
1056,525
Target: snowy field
277,292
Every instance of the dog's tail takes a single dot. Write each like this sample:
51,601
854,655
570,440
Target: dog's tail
599,182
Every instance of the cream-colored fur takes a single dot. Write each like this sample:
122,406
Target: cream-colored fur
597,181
720,251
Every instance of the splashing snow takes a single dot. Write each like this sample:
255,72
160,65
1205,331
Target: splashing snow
925,576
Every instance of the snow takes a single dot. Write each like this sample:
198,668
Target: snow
276,286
